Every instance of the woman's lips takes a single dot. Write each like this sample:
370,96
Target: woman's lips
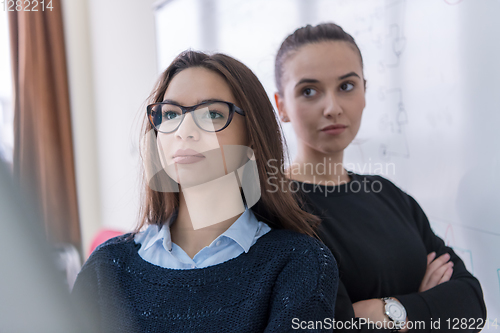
188,159
187,156
334,130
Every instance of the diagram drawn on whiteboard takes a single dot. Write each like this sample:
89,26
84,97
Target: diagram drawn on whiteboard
393,123
464,254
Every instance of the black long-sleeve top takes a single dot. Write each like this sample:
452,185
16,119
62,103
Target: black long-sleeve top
381,237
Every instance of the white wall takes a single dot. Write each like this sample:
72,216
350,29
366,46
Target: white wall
111,50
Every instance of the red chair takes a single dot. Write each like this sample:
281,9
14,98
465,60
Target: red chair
102,236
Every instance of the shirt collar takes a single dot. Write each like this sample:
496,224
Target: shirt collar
163,234
242,231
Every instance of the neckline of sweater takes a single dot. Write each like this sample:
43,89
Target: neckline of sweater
233,268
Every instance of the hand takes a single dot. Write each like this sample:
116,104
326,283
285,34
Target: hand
373,310
438,271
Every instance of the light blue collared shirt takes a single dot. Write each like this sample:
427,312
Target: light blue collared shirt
157,247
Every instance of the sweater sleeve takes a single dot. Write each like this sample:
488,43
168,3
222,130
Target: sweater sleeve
304,293
461,298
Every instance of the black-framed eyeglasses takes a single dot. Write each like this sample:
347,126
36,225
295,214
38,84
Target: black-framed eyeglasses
210,116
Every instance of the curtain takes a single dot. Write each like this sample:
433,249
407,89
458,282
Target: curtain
43,147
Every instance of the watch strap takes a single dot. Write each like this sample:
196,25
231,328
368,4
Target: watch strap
398,324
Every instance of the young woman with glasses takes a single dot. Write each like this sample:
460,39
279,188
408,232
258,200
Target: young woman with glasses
216,250
393,268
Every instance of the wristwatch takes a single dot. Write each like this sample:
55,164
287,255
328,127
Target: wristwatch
396,312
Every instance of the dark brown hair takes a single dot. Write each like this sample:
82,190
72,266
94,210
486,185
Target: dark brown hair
279,209
306,35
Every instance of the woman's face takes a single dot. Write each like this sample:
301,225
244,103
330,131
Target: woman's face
323,87
189,87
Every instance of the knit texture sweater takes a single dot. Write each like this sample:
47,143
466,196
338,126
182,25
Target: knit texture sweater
284,275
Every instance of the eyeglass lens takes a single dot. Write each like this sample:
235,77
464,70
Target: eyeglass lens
209,117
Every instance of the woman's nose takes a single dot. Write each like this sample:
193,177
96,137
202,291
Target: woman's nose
188,128
332,107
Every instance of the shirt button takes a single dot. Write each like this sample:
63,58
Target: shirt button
193,266
218,243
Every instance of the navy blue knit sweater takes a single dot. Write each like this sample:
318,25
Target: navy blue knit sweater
285,275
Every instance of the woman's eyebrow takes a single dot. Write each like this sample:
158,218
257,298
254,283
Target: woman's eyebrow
198,102
347,75
316,81
208,100
306,81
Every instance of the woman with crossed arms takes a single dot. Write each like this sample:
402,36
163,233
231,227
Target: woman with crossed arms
392,266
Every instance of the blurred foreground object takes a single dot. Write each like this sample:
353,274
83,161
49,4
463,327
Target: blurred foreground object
68,262
33,297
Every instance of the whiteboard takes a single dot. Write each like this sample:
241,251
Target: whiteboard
432,118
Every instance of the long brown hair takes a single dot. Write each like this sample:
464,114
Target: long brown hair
280,209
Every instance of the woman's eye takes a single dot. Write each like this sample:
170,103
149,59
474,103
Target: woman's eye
169,115
213,115
309,92
346,86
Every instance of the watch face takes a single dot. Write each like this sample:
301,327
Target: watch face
396,312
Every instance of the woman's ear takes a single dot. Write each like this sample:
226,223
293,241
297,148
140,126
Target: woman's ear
281,107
